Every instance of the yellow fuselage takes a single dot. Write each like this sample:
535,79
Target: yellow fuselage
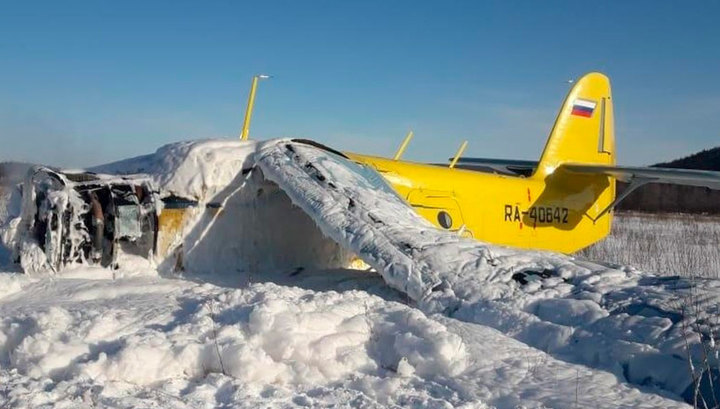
553,212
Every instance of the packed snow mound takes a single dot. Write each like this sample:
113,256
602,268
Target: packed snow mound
87,340
264,334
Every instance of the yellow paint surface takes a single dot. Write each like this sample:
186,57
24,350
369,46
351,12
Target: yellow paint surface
170,228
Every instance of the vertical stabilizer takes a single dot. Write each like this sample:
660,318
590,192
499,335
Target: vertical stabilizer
584,130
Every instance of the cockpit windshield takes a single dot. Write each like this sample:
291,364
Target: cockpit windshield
337,164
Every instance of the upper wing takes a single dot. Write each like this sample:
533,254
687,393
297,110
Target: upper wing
689,177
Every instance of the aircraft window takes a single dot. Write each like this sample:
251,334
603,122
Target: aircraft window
366,174
320,146
444,219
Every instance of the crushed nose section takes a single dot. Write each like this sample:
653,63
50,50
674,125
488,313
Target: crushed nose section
86,218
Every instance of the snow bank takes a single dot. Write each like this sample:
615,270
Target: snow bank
265,333
150,341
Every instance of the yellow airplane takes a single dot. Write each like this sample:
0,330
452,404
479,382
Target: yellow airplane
561,203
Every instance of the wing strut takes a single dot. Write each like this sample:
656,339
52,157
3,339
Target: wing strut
403,146
635,183
458,154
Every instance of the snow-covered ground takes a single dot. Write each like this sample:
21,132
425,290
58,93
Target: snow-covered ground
668,244
88,339
440,321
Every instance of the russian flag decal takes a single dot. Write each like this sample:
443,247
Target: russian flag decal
583,107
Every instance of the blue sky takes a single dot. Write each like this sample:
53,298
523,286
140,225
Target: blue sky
90,82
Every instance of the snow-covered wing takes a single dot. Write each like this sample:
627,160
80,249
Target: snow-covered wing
355,207
653,175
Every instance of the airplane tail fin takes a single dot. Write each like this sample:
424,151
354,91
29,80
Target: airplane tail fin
584,129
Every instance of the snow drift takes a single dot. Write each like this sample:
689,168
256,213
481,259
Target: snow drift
87,340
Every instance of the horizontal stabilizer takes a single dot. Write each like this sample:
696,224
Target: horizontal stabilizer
688,177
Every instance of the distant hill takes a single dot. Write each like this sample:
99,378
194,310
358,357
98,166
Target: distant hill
662,198
708,159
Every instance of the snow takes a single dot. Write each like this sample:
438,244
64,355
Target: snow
195,170
147,340
10,203
442,321
256,229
